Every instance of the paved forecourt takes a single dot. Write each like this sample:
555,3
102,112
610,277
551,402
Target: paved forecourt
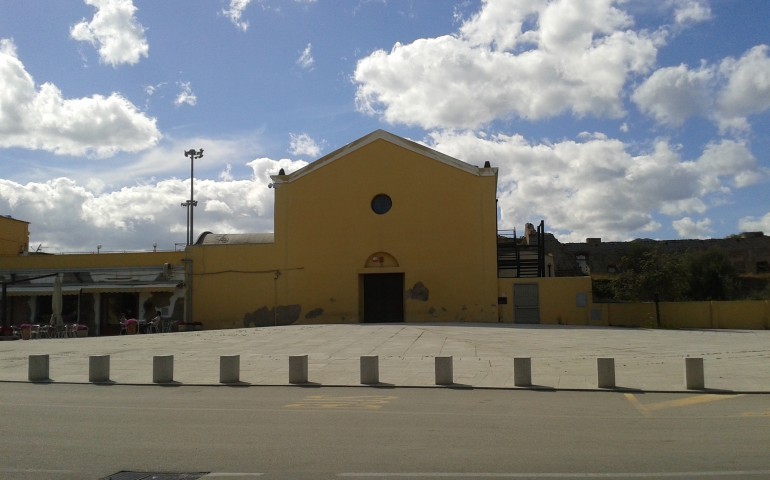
483,355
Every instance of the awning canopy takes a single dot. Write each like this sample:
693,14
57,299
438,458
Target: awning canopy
19,290
153,287
15,290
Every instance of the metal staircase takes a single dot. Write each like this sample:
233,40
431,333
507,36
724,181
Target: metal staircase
521,257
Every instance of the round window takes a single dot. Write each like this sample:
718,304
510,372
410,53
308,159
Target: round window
381,204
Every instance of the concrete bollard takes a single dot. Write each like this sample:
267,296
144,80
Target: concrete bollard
99,368
162,368
38,368
605,370
298,369
522,371
444,373
370,369
693,374
229,368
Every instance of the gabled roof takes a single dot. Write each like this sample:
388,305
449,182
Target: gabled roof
388,137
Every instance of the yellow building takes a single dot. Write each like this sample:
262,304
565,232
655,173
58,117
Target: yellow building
97,288
380,230
14,236
383,229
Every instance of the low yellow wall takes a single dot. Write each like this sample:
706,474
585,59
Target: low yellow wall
685,314
748,314
628,314
743,315
563,300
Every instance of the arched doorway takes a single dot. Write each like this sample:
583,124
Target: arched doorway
382,290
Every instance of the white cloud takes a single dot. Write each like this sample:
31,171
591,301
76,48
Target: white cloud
303,145
527,58
127,208
754,224
597,187
115,31
68,216
151,90
672,95
538,59
731,161
688,12
689,228
587,188
305,60
185,95
42,119
235,13
741,87
217,206
226,175
748,88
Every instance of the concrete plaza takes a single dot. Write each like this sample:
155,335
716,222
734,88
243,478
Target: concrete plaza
483,355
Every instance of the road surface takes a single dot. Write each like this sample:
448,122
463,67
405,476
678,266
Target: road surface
60,431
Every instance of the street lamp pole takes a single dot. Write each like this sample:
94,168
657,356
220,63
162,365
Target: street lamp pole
191,202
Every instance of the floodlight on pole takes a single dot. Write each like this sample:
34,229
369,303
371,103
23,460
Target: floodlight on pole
191,203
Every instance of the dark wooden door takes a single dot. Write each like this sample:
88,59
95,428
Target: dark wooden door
383,297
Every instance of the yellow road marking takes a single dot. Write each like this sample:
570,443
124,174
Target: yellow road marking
647,409
637,404
365,402
766,413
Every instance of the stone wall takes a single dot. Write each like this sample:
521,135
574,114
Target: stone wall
749,253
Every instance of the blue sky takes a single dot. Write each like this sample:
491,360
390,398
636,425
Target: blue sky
613,119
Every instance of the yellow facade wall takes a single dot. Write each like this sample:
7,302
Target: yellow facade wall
440,231
14,236
440,234
232,282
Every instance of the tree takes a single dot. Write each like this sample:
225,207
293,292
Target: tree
712,276
646,274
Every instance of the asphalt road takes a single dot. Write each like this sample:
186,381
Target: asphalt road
60,431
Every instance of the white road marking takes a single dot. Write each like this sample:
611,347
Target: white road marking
758,473
231,475
32,470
